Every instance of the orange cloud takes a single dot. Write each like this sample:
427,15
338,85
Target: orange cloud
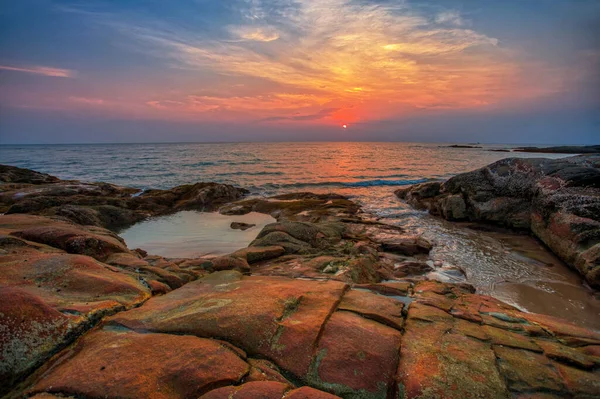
331,61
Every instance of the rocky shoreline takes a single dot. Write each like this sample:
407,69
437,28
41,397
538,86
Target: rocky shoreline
326,302
558,201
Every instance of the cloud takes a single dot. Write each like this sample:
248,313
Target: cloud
42,70
87,101
376,58
449,17
254,33
324,113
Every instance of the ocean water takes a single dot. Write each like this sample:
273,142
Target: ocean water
517,269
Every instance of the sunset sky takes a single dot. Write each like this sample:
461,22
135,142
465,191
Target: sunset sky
510,71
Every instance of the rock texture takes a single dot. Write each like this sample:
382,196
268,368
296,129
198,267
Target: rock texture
557,200
447,343
326,303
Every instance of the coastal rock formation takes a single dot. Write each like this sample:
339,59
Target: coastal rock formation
349,342
565,149
102,204
302,207
325,303
557,200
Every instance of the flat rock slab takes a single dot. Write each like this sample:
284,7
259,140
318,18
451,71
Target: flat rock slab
266,390
96,242
356,357
163,367
47,299
228,335
277,318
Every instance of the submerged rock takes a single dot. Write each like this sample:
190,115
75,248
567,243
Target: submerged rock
241,226
557,200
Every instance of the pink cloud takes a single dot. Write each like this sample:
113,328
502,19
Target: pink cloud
42,70
85,100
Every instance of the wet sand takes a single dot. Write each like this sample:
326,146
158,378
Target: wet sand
518,269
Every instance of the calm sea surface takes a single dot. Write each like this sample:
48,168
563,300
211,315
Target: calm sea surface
516,269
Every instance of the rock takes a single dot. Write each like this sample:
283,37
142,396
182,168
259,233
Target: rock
356,357
266,390
586,149
523,373
228,262
48,299
301,207
241,226
353,343
558,200
276,318
404,269
312,314
12,174
164,366
259,254
407,245
86,240
256,389
384,310
102,204
264,370
435,363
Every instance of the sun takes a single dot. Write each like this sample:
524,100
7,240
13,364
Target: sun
345,126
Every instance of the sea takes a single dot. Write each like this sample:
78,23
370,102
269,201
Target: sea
513,267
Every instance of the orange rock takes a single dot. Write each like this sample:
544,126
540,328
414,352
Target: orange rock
580,384
250,390
48,298
31,330
356,357
526,371
164,366
96,242
277,318
565,354
568,332
264,370
511,339
400,288
373,306
438,364
266,390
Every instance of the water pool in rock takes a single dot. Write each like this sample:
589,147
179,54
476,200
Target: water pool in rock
190,234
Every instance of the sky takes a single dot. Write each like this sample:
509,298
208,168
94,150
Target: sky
508,71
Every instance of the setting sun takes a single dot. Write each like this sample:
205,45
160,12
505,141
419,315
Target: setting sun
345,126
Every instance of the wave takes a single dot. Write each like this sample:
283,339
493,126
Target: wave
250,174
380,182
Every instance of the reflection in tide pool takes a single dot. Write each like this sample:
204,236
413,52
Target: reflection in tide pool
190,234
